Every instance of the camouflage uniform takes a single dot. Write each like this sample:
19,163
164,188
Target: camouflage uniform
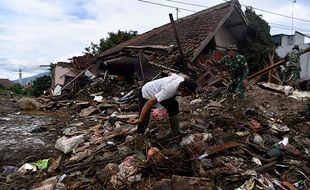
237,68
292,69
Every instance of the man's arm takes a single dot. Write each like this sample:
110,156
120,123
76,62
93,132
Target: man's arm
144,112
147,108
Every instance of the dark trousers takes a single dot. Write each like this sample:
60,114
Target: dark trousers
171,105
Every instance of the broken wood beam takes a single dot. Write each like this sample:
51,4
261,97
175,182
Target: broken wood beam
184,65
267,69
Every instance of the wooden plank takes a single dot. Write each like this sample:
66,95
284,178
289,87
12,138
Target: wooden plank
185,69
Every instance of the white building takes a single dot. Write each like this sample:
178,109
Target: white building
284,43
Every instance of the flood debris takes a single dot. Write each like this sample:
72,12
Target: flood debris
255,140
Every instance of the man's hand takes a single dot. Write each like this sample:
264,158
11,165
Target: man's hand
245,83
134,121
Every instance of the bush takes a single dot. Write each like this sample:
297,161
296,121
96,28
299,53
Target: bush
40,85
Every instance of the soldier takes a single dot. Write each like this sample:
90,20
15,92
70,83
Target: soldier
292,68
237,68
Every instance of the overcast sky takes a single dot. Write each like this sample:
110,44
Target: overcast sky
38,32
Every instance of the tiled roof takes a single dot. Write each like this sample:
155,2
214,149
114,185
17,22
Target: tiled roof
6,83
194,32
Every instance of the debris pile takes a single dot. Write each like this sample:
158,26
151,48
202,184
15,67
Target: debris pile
263,144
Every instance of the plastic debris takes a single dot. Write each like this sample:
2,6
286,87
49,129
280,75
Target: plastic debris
42,164
159,113
9,170
27,168
98,98
257,161
67,145
194,138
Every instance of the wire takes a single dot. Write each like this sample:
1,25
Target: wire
285,26
266,11
271,24
288,28
185,3
167,6
278,14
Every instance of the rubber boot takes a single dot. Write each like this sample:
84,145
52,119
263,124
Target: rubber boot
175,125
141,129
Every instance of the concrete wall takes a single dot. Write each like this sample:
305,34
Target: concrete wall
288,40
224,38
304,59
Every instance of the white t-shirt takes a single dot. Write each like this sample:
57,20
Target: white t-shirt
163,88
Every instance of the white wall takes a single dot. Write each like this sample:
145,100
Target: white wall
60,73
224,38
304,59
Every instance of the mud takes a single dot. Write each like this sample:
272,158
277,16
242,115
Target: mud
27,134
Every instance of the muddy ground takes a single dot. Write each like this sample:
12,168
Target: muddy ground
27,134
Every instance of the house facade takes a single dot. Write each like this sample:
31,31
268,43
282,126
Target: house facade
203,36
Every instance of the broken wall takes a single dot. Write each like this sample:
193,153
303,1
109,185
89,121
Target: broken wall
60,73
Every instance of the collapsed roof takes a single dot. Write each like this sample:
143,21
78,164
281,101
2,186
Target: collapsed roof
195,32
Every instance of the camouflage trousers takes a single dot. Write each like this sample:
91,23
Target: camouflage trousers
236,87
292,77
235,96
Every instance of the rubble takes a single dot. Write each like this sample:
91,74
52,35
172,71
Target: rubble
263,144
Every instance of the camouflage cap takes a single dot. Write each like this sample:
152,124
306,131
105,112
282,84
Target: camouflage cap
233,48
296,47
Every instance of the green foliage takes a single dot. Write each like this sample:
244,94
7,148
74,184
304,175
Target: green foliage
110,41
257,44
18,90
41,84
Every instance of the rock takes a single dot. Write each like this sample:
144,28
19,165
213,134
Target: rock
191,183
29,104
105,174
257,139
38,129
66,145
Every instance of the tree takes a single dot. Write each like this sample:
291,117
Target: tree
40,84
257,44
110,41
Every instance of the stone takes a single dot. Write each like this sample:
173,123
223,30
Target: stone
29,104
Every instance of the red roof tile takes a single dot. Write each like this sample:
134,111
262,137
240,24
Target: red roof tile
193,30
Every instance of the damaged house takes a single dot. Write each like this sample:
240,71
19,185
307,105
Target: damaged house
74,74
203,36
